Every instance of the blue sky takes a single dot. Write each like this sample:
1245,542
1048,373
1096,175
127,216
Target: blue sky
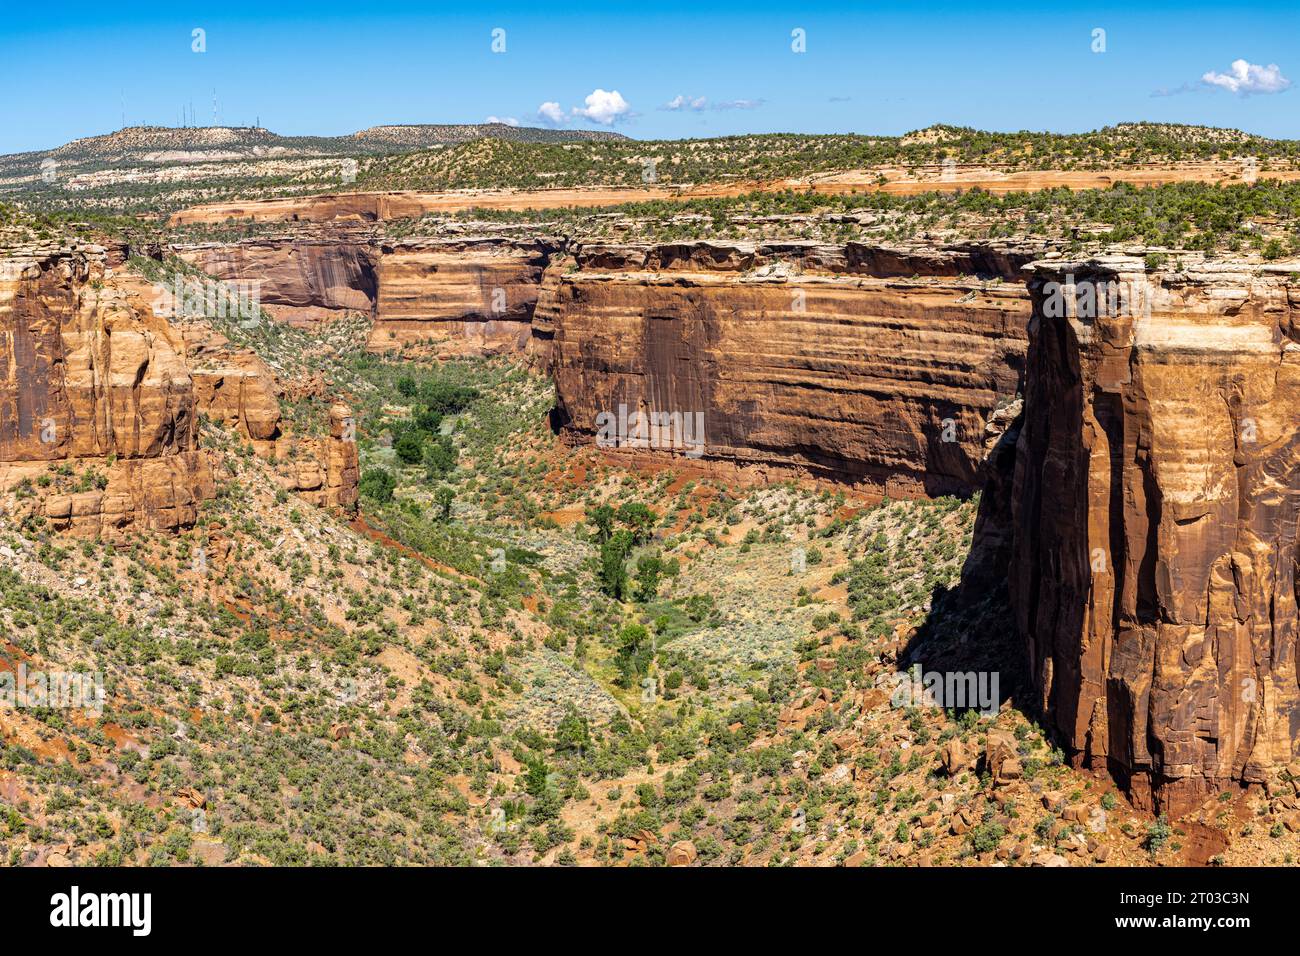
69,69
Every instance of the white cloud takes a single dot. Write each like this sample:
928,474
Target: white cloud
699,103
507,120
604,107
551,113
680,102
1247,78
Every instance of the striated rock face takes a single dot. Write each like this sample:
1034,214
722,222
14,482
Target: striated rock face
91,378
471,296
872,366
333,207
161,494
87,376
304,282
452,297
234,386
1155,508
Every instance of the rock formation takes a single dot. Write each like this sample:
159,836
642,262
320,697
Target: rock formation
1155,507
88,378
238,390
462,296
234,386
301,281
1143,502
868,365
92,378
450,296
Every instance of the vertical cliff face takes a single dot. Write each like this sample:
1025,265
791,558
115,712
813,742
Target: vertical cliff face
304,282
1155,507
470,296
88,376
870,366
233,386
91,377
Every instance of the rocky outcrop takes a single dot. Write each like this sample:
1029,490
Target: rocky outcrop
470,296
236,389
322,470
89,378
305,282
330,207
1155,509
869,365
93,379
366,207
449,297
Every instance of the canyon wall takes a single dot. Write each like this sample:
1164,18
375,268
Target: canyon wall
459,296
860,364
1142,504
332,207
1155,505
305,282
448,297
93,380
88,378
873,365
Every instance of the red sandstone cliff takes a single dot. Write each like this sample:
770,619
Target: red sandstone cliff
872,366
869,364
460,296
1155,509
300,281
89,378
471,296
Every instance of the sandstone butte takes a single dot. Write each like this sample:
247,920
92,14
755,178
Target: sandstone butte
1148,546
91,377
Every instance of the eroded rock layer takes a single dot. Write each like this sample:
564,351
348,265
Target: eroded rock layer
92,378
471,296
1155,507
88,377
304,282
860,364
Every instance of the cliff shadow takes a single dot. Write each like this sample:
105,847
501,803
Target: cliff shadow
971,627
